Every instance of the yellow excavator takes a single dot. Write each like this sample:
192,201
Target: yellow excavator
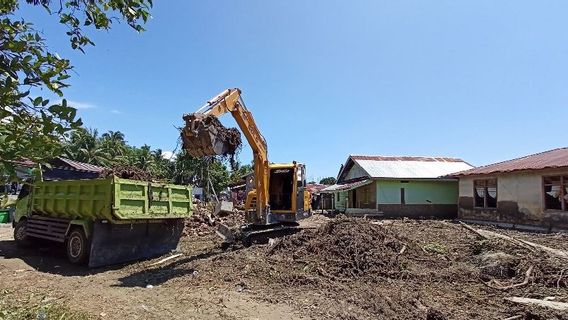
279,198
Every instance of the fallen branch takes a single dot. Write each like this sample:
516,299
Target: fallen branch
402,250
468,227
562,306
519,316
166,259
555,252
486,234
525,282
560,278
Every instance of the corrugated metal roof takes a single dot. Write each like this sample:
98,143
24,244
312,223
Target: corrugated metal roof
406,158
346,186
556,158
82,166
410,167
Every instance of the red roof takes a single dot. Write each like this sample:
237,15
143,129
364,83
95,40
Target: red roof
404,158
315,187
557,158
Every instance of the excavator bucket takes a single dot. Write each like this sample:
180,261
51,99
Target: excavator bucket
206,136
118,243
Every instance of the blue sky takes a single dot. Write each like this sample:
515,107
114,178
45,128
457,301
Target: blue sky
480,80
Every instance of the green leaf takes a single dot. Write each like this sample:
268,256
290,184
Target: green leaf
37,101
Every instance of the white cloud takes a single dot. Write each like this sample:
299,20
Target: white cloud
115,111
81,105
168,155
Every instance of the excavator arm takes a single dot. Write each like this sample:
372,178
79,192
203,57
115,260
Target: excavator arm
201,137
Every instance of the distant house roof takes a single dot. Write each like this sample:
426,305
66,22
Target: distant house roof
346,186
403,167
25,163
81,166
315,187
556,158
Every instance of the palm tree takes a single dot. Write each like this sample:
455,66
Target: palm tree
114,145
84,146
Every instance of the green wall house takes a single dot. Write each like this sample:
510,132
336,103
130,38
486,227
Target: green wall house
398,186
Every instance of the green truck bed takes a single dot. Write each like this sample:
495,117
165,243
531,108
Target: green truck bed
111,199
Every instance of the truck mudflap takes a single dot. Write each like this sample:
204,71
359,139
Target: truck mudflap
118,243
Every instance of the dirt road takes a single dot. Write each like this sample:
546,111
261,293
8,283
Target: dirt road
346,269
125,292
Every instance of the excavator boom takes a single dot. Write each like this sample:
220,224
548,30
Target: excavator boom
204,135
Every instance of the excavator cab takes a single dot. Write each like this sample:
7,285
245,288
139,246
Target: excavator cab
287,192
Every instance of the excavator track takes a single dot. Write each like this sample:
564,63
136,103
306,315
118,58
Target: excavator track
263,235
255,234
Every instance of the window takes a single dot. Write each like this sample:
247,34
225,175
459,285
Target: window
555,193
485,193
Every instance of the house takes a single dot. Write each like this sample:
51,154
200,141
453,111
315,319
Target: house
319,201
61,168
397,186
529,192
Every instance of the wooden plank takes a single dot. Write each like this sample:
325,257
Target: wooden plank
562,306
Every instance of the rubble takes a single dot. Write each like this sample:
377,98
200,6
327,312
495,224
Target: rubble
204,221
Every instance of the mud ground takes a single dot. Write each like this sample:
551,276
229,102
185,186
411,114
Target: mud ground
346,269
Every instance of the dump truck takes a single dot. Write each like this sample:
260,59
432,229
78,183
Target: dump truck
103,221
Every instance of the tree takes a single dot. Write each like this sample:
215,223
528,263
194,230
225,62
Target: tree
32,126
84,146
163,168
239,171
328,181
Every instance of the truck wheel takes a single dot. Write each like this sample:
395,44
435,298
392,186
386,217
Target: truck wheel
22,240
77,246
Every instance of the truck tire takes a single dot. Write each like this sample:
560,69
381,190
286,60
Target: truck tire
77,246
22,240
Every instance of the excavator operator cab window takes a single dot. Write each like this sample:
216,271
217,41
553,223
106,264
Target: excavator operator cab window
280,188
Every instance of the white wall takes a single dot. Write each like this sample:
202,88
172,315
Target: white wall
524,188
355,172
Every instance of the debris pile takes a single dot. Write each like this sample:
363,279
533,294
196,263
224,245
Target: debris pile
346,248
508,263
390,269
127,172
204,222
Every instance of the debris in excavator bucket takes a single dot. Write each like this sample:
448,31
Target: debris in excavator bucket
206,136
